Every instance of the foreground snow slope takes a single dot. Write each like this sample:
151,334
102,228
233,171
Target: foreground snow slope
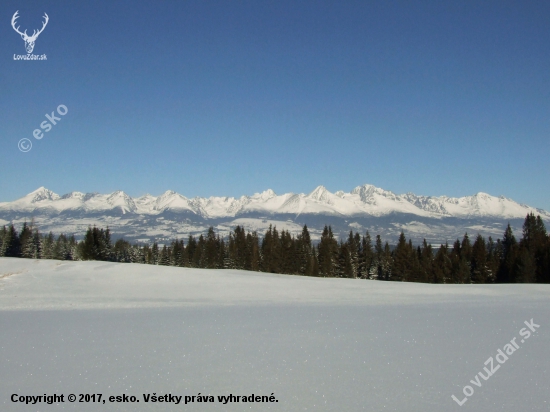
316,344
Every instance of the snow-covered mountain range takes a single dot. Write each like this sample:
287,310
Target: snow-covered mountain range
366,207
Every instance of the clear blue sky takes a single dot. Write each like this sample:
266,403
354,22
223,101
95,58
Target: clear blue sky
234,97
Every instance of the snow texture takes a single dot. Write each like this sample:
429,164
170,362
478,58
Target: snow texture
317,344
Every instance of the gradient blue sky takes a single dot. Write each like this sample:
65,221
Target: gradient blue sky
234,97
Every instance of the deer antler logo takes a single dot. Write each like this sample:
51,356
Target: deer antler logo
29,40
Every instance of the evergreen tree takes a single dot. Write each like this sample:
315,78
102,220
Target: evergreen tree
352,260
426,263
402,260
105,245
164,258
442,265
231,253
211,250
289,254
95,246
27,243
466,259
137,254
3,236
460,266
198,255
87,248
147,253
222,254
533,243
480,272
328,254
178,253
367,257
61,248
238,251
417,271
344,261
543,252
37,245
494,250
314,265
11,244
506,273
545,264
121,251
271,251
534,232
47,246
525,270
304,253
190,249
387,263
379,259
454,256
253,251
155,254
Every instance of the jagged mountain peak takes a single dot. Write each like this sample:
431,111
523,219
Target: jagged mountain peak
367,193
168,193
266,194
42,194
118,194
320,193
74,195
121,200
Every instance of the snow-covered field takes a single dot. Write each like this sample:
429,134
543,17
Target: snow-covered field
315,344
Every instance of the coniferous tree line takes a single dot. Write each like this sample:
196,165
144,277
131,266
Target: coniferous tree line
466,261
29,243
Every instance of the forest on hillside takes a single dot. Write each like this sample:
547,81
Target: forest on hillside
480,260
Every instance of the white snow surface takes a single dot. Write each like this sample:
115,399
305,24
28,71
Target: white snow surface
366,200
316,344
